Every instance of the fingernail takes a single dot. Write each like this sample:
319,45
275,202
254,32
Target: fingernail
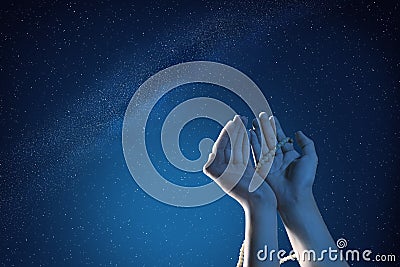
262,114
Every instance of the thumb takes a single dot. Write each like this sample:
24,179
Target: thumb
306,144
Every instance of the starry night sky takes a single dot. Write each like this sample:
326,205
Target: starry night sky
69,69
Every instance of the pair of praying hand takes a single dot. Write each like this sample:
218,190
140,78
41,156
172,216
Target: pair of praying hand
287,178
283,183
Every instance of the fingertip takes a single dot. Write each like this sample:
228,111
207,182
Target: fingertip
305,143
272,121
255,122
236,121
298,135
263,115
228,124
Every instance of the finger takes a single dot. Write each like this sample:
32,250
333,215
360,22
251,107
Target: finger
237,150
306,144
219,145
228,152
272,121
233,131
228,148
278,150
281,135
267,130
255,146
246,148
257,131
260,138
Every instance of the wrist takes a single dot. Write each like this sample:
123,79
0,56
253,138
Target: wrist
260,200
259,206
296,201
260,231
299,212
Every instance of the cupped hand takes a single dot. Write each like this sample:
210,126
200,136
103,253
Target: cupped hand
291,174
229,165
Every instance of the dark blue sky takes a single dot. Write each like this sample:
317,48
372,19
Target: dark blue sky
69,69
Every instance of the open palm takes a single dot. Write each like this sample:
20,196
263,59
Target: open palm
229,165
291,174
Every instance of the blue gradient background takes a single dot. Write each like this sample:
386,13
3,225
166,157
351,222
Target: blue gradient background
69,69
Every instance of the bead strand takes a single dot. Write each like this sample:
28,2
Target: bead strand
270,155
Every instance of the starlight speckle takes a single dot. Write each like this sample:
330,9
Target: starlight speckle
68,70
